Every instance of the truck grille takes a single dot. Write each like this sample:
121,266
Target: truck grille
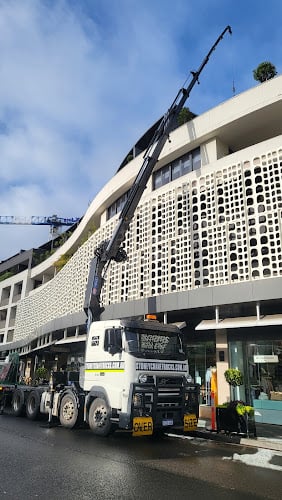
169,392
167,400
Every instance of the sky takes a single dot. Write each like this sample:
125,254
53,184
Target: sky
82,80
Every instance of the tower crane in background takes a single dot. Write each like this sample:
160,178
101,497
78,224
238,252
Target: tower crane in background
53,221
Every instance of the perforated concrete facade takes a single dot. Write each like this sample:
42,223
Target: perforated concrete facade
220,227
197,238
208,228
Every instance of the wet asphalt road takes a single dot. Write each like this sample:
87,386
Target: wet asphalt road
56,463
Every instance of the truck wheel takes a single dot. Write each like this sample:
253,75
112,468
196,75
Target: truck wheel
99,417
18,403
68,411
2,406
33,405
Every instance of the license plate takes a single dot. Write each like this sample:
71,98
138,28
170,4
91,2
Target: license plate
190,422
142,426
167,422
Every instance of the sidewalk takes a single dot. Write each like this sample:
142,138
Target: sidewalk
268,436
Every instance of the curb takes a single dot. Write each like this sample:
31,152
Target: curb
259,442
263,443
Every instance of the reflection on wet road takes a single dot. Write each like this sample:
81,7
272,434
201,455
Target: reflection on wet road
56,463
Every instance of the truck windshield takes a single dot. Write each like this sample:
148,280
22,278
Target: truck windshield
154,344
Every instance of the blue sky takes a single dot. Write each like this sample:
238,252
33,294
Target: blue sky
82,80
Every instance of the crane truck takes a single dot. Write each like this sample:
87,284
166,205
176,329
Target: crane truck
135,371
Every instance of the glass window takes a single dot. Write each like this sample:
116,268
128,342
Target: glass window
182,166
176,170
166,177
112,339
158,179
186,164
153,344
111,211
264,360
196,155
121,202
117,206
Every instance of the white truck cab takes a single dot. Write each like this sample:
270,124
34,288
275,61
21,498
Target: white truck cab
138,372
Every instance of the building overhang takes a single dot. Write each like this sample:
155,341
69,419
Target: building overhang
71,340
242,322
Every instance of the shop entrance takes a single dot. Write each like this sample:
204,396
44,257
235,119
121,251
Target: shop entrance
260,360
202,366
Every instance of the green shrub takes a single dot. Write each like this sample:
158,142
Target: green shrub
41,372
233,377
6,275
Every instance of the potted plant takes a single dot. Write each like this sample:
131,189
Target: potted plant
245,417
41,374
234,378
235,416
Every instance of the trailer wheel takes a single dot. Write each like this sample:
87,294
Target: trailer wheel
18,403
33,405
69,411
99,417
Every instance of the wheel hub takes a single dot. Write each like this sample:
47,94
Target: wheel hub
32,404
100,416
68,411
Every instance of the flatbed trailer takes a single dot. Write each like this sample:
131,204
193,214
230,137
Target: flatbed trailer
13,393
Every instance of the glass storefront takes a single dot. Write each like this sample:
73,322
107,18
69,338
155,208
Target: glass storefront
260,361
202,366
264,374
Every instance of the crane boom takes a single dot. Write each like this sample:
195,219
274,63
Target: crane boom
111,249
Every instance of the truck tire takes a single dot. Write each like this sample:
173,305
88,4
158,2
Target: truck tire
18,403
69,411
2,405
33,405
99,417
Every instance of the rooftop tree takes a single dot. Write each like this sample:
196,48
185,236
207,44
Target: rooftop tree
265,71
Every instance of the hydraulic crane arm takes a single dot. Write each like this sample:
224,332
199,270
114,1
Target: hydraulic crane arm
111,250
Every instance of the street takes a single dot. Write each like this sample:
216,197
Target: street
56,463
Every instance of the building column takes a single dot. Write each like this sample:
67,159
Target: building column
222,364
